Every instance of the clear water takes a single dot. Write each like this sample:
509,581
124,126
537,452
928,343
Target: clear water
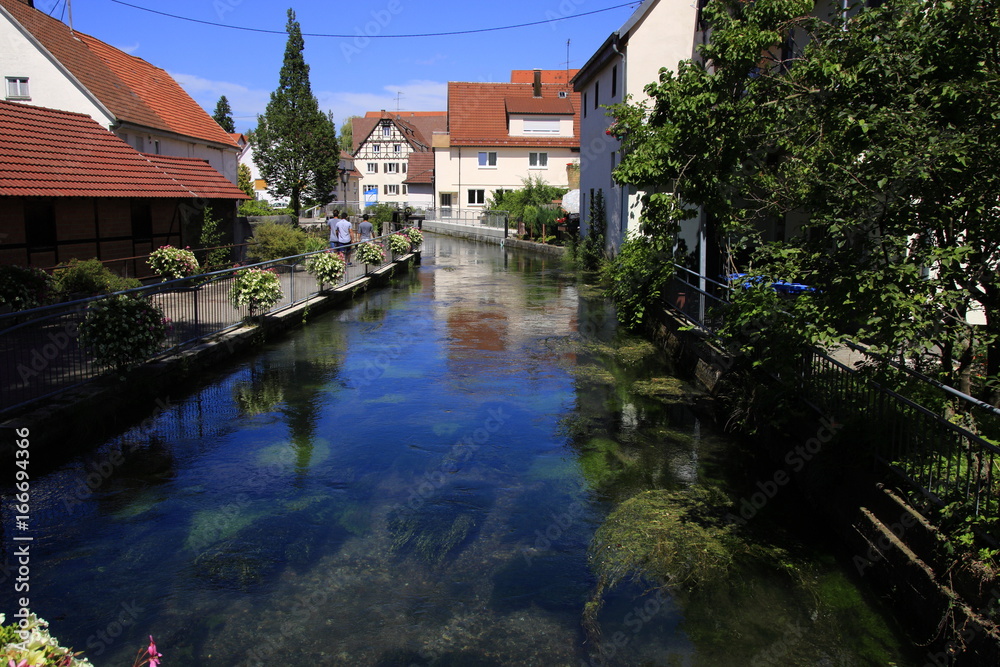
414,479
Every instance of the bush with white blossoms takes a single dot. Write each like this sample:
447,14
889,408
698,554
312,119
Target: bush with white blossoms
399,243
327,267
258,289
123,330
171,263
415,235
369,253
37,648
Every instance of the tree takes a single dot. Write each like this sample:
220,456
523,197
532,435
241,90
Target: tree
244,180
877,136
347,133
295,144
224,115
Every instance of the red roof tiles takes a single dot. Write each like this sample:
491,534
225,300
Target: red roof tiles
420,169
417,126
477,112
50,153
562,76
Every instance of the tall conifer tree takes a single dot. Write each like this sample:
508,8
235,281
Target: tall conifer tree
295,144
224,115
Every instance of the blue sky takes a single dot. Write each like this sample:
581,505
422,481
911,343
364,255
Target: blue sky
354,74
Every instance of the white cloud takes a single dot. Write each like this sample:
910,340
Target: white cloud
246,103
129,49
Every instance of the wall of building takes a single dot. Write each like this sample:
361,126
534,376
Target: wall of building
48,84
146,140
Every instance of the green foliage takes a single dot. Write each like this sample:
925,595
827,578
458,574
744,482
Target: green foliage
328,267
171,263
90,277
257,289
123,330
380,214
590,251
867,146
295,144
24,287
211,237
259,207
273,240
399,243
415,235
369,253
244,180
346,138
636,278
39,649
536,193
224,115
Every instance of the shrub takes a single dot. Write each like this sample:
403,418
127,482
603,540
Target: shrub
24,287
212,236
171,263
272,240
328,267
90,277
257,289
39,648
316,243
123,330
416,236
260,207
369,253
637,278
399,243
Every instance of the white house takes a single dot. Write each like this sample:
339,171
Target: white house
44,63
660,33
500,134
384,143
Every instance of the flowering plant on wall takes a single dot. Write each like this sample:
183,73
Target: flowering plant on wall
31,644
369,253
257,289
171,263
399,243
328,267
416,236
123,330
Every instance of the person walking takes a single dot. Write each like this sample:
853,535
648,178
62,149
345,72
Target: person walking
365,228
331,222
344,237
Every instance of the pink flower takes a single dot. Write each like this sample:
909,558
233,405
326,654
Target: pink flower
154,655
23,663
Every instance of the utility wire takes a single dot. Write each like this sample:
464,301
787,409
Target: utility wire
427,34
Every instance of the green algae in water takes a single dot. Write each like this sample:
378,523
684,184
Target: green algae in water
256,398
431,533
289,454
215,525
625,351
445,429
665,389
594,374
390,399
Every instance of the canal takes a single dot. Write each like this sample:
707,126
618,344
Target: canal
415,478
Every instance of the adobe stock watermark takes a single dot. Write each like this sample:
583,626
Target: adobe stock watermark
220,523
381,19
564,10
780,651
125,618
54,344
796,459
635,620
292,627
876,552
385,354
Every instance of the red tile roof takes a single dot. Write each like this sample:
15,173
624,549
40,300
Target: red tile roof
562,76
51,153
477,113
130,88
420,169
197,176
539,105
417,126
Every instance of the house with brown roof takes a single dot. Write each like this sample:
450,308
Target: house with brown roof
383,145
500,134
45,63
70,188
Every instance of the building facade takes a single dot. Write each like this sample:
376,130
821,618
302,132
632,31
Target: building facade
384,143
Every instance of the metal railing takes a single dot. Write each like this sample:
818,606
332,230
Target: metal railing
937,440
467,216
41,354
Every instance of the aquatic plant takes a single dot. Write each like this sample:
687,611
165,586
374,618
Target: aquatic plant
369,253
29,644
171,263
123,330
257,289
328,267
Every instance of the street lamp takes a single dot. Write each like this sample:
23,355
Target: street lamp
344,177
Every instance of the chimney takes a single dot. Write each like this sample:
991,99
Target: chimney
537,85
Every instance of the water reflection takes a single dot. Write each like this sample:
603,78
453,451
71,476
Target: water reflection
414,478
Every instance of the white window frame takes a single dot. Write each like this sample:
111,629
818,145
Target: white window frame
376,148
538,160
543,126
372,167
487,159
397,148
386,130
17,88
391,189
476,194
392,167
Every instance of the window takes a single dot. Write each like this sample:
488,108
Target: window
142,221
541,126
404,167
614,81
392,167
17,88
156,147
376,148
40,225
404,188
477,197
538,160
597,92
372,167
140,145
391,189
396,148
487,159
585,105
386,128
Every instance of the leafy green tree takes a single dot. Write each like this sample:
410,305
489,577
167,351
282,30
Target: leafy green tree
536,192
347,133
870,148
224,115
295,144
244,179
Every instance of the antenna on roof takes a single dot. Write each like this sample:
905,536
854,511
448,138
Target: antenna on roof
567,61
69,6
398,95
